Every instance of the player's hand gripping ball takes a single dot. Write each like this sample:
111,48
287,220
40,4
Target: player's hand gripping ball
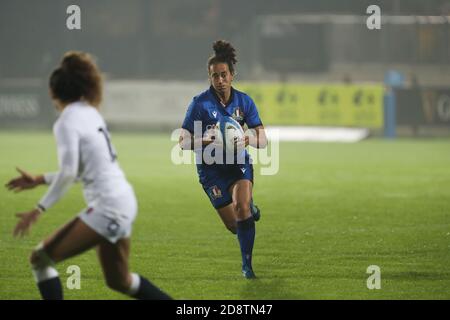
230,134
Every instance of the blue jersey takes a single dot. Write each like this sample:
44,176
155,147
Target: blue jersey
207,108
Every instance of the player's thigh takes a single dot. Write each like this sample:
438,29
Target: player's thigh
228,216
241,192
71,239
114,261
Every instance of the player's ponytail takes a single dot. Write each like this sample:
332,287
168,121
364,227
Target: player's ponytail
223,53
77,78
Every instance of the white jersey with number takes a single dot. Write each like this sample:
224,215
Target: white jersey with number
85,153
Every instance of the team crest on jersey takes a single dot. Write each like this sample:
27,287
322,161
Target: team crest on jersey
238,115
215,193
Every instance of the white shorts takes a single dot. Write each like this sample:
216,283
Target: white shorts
112,217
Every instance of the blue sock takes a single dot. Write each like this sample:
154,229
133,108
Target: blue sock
148,291
246,237
51,289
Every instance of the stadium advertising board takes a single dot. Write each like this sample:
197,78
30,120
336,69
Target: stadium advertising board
325,105
423,106
24,106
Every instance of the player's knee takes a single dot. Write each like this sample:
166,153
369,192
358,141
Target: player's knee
34,258
39,258
42,265
241,207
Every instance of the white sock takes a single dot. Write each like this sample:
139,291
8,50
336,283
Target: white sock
135,283
44,273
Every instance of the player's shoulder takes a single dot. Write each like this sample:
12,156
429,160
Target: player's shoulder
242,95
200,100
244,100
202,97
76,114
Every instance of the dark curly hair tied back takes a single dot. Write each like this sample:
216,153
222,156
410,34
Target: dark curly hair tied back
223,53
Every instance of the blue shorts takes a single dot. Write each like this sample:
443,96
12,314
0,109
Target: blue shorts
217,180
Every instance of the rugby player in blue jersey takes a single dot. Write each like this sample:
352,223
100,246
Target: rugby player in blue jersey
228,185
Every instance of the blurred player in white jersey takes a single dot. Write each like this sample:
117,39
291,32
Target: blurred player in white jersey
85,153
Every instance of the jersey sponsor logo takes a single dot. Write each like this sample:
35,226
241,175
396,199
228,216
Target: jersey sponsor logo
214,113
215,193
243,170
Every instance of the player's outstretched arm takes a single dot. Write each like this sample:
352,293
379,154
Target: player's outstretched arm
25,181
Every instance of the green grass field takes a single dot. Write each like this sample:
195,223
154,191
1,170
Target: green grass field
330,212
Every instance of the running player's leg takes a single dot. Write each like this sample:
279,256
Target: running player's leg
242,194
218,191
228,216
73,238
232,202
114,261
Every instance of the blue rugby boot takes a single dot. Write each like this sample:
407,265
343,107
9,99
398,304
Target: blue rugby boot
248,273
256,213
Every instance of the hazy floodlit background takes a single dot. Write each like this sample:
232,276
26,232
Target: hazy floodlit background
333,209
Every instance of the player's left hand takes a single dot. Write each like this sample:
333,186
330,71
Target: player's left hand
27,219
210,136
240,144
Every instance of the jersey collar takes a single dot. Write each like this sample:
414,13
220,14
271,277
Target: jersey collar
76,104
214,94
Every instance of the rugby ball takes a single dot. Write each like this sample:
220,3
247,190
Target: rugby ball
229,130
